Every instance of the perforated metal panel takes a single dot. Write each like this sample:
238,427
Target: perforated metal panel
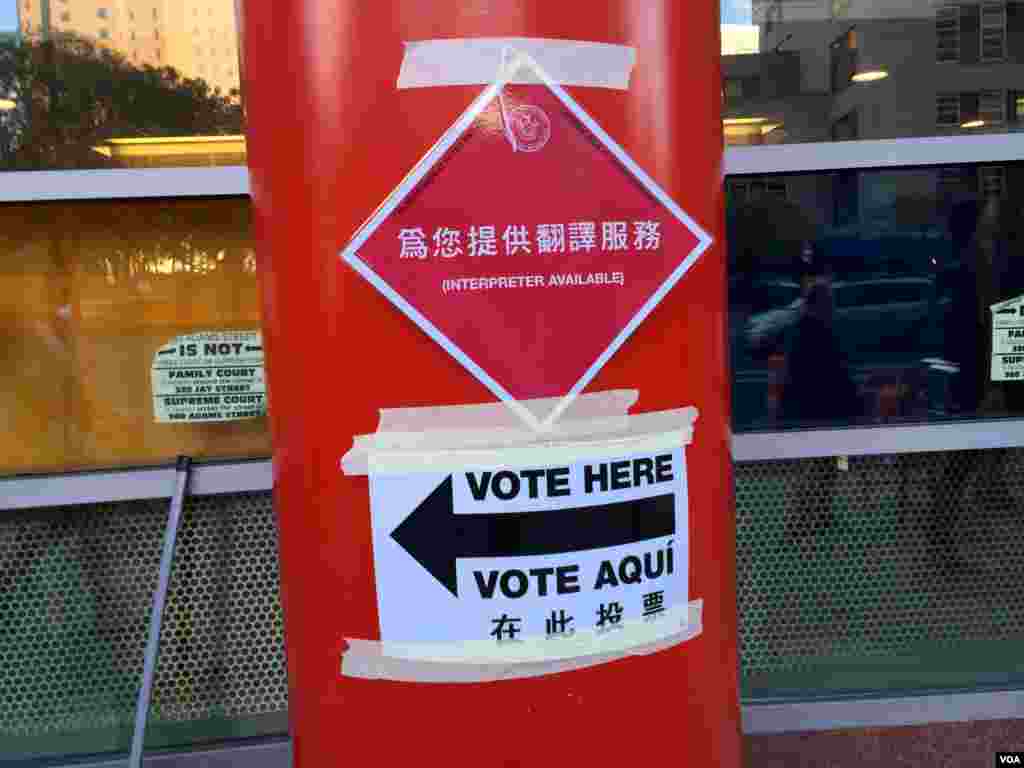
908,556
76,587
898,557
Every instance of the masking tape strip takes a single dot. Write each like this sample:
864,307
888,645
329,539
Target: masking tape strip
371,660
590,406
490,442
453,439
433,449
473,61
441,460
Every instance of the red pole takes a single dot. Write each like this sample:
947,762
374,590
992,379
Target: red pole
331,137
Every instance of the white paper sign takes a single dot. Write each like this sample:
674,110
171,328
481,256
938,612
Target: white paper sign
214,376
1008,340
543,561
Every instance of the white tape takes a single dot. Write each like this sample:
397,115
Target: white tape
403,462
474,61
591,406
437,450
482,661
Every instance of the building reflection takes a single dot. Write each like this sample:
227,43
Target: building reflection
875,69
919,253
198,38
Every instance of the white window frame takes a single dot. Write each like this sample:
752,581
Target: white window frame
233,181
31,491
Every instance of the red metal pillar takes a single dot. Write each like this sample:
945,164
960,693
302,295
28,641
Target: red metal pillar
330,138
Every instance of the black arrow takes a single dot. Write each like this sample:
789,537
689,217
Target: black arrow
436,537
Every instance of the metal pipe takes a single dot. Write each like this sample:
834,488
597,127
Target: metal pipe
181,478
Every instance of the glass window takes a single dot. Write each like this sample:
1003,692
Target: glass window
991,107
993,31
870,70
90,292
947,110
858,297
947,33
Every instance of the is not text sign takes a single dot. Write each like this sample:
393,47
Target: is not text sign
1008,340
211,376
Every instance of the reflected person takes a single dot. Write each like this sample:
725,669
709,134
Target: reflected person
817,386
817,389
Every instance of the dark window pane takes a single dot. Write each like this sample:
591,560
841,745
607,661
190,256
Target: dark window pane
865,296
970,34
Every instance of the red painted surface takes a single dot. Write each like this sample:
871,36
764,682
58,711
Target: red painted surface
330,138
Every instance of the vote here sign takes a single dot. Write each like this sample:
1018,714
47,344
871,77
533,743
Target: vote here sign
522,562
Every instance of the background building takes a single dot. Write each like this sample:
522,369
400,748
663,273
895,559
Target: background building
196,37
840,70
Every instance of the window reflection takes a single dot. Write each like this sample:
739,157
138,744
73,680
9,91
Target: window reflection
79,77
820,70
90,292
879,279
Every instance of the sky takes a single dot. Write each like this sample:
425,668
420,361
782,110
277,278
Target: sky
733,11
8,15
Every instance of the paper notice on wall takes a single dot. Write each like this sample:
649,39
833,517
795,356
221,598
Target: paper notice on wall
574,547
1008,340
210,376
512,553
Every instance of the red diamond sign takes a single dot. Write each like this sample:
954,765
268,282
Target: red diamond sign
527,243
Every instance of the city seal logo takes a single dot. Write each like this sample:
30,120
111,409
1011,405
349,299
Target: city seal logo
530,128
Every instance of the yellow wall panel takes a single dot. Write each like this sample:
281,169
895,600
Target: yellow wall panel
88,293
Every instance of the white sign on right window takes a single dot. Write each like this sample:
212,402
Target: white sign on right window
1008,340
